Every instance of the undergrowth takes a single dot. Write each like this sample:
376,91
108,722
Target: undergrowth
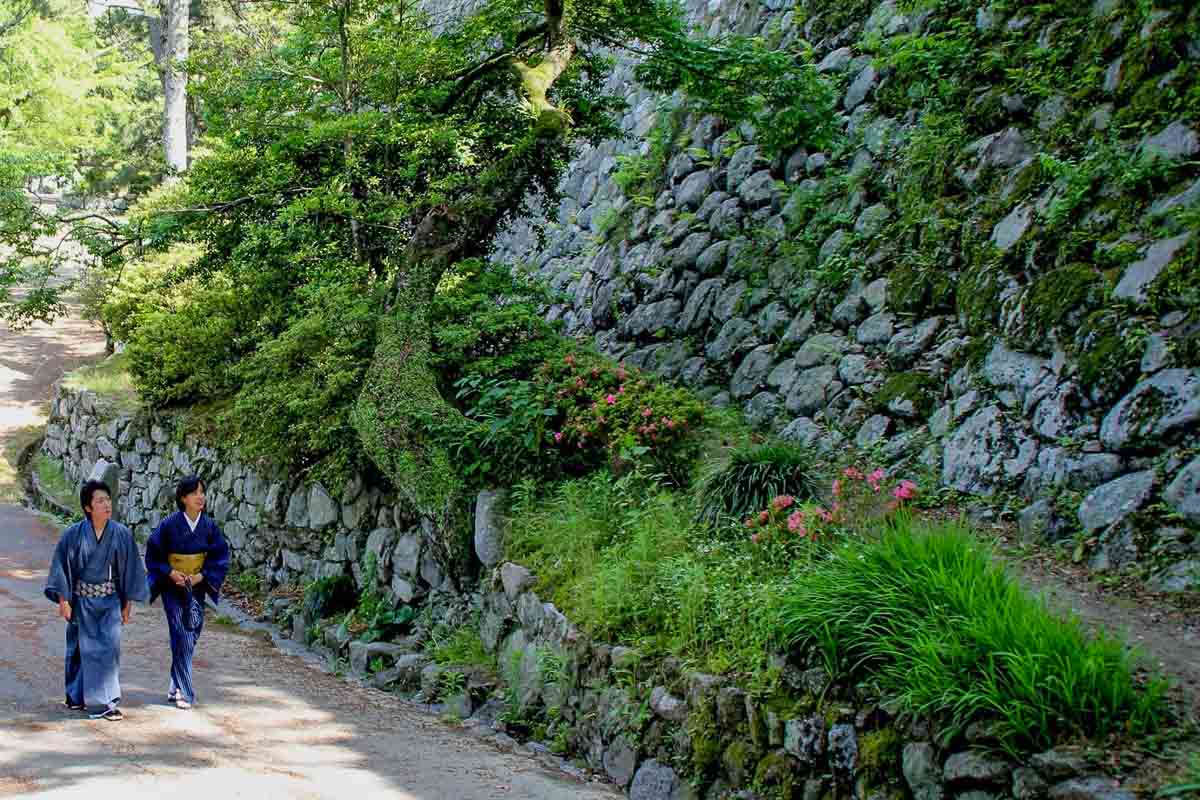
918,611
926,613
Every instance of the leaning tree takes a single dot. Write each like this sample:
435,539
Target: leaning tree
372,143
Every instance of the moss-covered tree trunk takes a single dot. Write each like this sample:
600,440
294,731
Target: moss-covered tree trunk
400,402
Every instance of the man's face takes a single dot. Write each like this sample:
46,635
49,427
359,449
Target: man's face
100,508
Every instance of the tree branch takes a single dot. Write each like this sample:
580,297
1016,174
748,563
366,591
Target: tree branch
466,78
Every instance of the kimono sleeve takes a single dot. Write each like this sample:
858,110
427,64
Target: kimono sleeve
60,581
216,563
133,585
158,570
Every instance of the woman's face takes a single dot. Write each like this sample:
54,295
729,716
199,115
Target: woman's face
193,503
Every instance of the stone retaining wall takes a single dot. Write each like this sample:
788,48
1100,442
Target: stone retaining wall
285,531
700,282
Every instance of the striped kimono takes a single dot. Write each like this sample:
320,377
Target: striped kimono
97,577
185,607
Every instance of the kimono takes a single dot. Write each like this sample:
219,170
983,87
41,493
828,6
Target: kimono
184,607
97,578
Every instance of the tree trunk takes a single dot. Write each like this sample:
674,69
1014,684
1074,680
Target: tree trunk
171,56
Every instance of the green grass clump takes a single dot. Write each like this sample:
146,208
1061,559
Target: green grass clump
55,482
627,562
460,647
753,476
110,379
927,614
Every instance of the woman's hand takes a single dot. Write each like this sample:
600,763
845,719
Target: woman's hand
178,578
64,610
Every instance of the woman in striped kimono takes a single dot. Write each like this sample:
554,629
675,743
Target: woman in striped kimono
94,578
187,558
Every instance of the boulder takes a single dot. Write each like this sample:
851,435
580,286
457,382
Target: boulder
655,781
1177,140
489,524
861,87
1160,406
1183,493
1139,275
752,372
1093,788
322,510
667,705
1179,578
975,769
922,773
691,192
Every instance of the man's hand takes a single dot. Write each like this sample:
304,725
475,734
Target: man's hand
64,610
126,613
179,578
197,579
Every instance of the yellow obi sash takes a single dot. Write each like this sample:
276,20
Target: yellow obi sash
187,563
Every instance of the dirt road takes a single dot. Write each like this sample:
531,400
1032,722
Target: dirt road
30,362
267,725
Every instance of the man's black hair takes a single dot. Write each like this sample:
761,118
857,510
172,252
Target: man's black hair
186,486
88,491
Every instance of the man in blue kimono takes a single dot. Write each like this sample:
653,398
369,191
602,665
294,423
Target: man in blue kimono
186,558
95,576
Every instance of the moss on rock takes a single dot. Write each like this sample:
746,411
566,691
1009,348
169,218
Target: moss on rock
915,387
879,750
1050,299
779,775
705,737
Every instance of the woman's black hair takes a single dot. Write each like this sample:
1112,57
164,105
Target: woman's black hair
88,491
186,486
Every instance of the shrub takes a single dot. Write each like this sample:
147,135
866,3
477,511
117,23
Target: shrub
147,285
578,413
753,475
184,355
614,414
297,390
926,613
487,321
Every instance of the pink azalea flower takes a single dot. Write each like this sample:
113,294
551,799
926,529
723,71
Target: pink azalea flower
671,424
852,474
874,478
796,522
646,412
612,398
557,436
763,517
782,501
754,538
905,490
824,515
750,523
